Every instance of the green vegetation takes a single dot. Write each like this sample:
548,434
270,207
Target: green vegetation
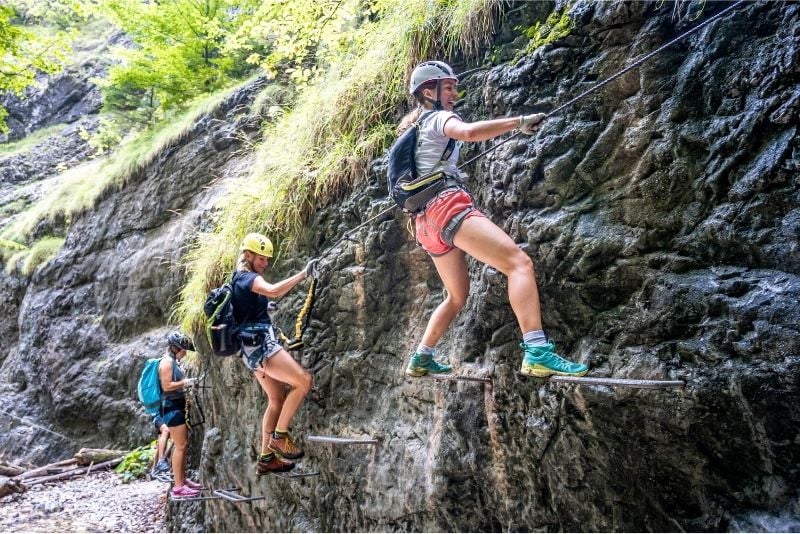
78,188
557,26
26,143
341,120
28,259
24,53
339,69
137,462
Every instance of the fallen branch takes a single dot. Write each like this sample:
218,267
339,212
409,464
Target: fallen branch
75,472
10,470
47,469
96,456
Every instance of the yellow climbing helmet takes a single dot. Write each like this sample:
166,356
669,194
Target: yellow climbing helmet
257,243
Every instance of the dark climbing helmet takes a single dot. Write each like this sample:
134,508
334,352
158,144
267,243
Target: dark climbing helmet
179,340
257,243
430,71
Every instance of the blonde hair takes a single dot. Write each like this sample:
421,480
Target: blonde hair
413,116
243,264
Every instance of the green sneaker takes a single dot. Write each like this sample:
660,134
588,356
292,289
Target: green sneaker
542,361
422,364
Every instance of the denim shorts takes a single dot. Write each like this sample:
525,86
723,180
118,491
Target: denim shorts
259,344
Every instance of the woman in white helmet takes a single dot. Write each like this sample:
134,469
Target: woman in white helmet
448,226
272,365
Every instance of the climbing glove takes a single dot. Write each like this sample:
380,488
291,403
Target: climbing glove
189,382
311,268
528,124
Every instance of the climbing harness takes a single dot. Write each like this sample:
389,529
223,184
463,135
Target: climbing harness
303,318
596,87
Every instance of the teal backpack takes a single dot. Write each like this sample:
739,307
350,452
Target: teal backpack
150,386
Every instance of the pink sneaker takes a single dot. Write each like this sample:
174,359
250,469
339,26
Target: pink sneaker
184,492
192,484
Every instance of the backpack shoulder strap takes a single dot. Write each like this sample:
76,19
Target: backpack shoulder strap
425,116
451,143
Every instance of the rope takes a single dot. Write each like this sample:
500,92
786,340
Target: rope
29,423
560,108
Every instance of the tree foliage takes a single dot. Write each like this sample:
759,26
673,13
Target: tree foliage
178,52
24,54
186,48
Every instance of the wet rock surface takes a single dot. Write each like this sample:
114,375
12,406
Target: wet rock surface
661,213
96,503
662,216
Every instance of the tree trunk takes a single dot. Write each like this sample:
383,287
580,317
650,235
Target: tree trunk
89,456
10,485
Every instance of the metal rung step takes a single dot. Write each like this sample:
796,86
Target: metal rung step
451,378
291,474
336,440
201,497
233,496
616,382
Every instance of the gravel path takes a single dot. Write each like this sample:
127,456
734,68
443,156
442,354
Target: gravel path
97,503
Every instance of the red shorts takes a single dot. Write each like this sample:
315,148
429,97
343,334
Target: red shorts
440,211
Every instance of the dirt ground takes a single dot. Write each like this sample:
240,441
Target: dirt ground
99,502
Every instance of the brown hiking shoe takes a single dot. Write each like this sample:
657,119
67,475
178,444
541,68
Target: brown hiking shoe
286,447
275,464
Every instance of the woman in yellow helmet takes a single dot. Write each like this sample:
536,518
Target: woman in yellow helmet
272,365
448,226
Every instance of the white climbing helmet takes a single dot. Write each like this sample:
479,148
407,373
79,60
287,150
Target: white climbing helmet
429,71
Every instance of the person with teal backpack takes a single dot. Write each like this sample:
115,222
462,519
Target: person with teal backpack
161,390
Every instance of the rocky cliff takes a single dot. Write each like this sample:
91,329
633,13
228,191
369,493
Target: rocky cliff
663,216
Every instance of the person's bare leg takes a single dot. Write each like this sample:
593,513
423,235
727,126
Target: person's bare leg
486,242
283,368
276,392
180,440
452,269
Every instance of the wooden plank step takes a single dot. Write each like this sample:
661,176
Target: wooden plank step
338,440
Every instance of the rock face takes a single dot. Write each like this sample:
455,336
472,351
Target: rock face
663,216
91,316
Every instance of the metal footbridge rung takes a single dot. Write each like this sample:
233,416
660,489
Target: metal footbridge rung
337,440
233,496
290,474
452,378
201,497
616,382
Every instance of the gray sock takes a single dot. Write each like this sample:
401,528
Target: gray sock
424,349
535,337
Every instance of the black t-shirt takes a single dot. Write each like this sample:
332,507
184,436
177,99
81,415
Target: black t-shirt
248,307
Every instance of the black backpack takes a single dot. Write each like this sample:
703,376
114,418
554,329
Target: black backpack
221,327
405,189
